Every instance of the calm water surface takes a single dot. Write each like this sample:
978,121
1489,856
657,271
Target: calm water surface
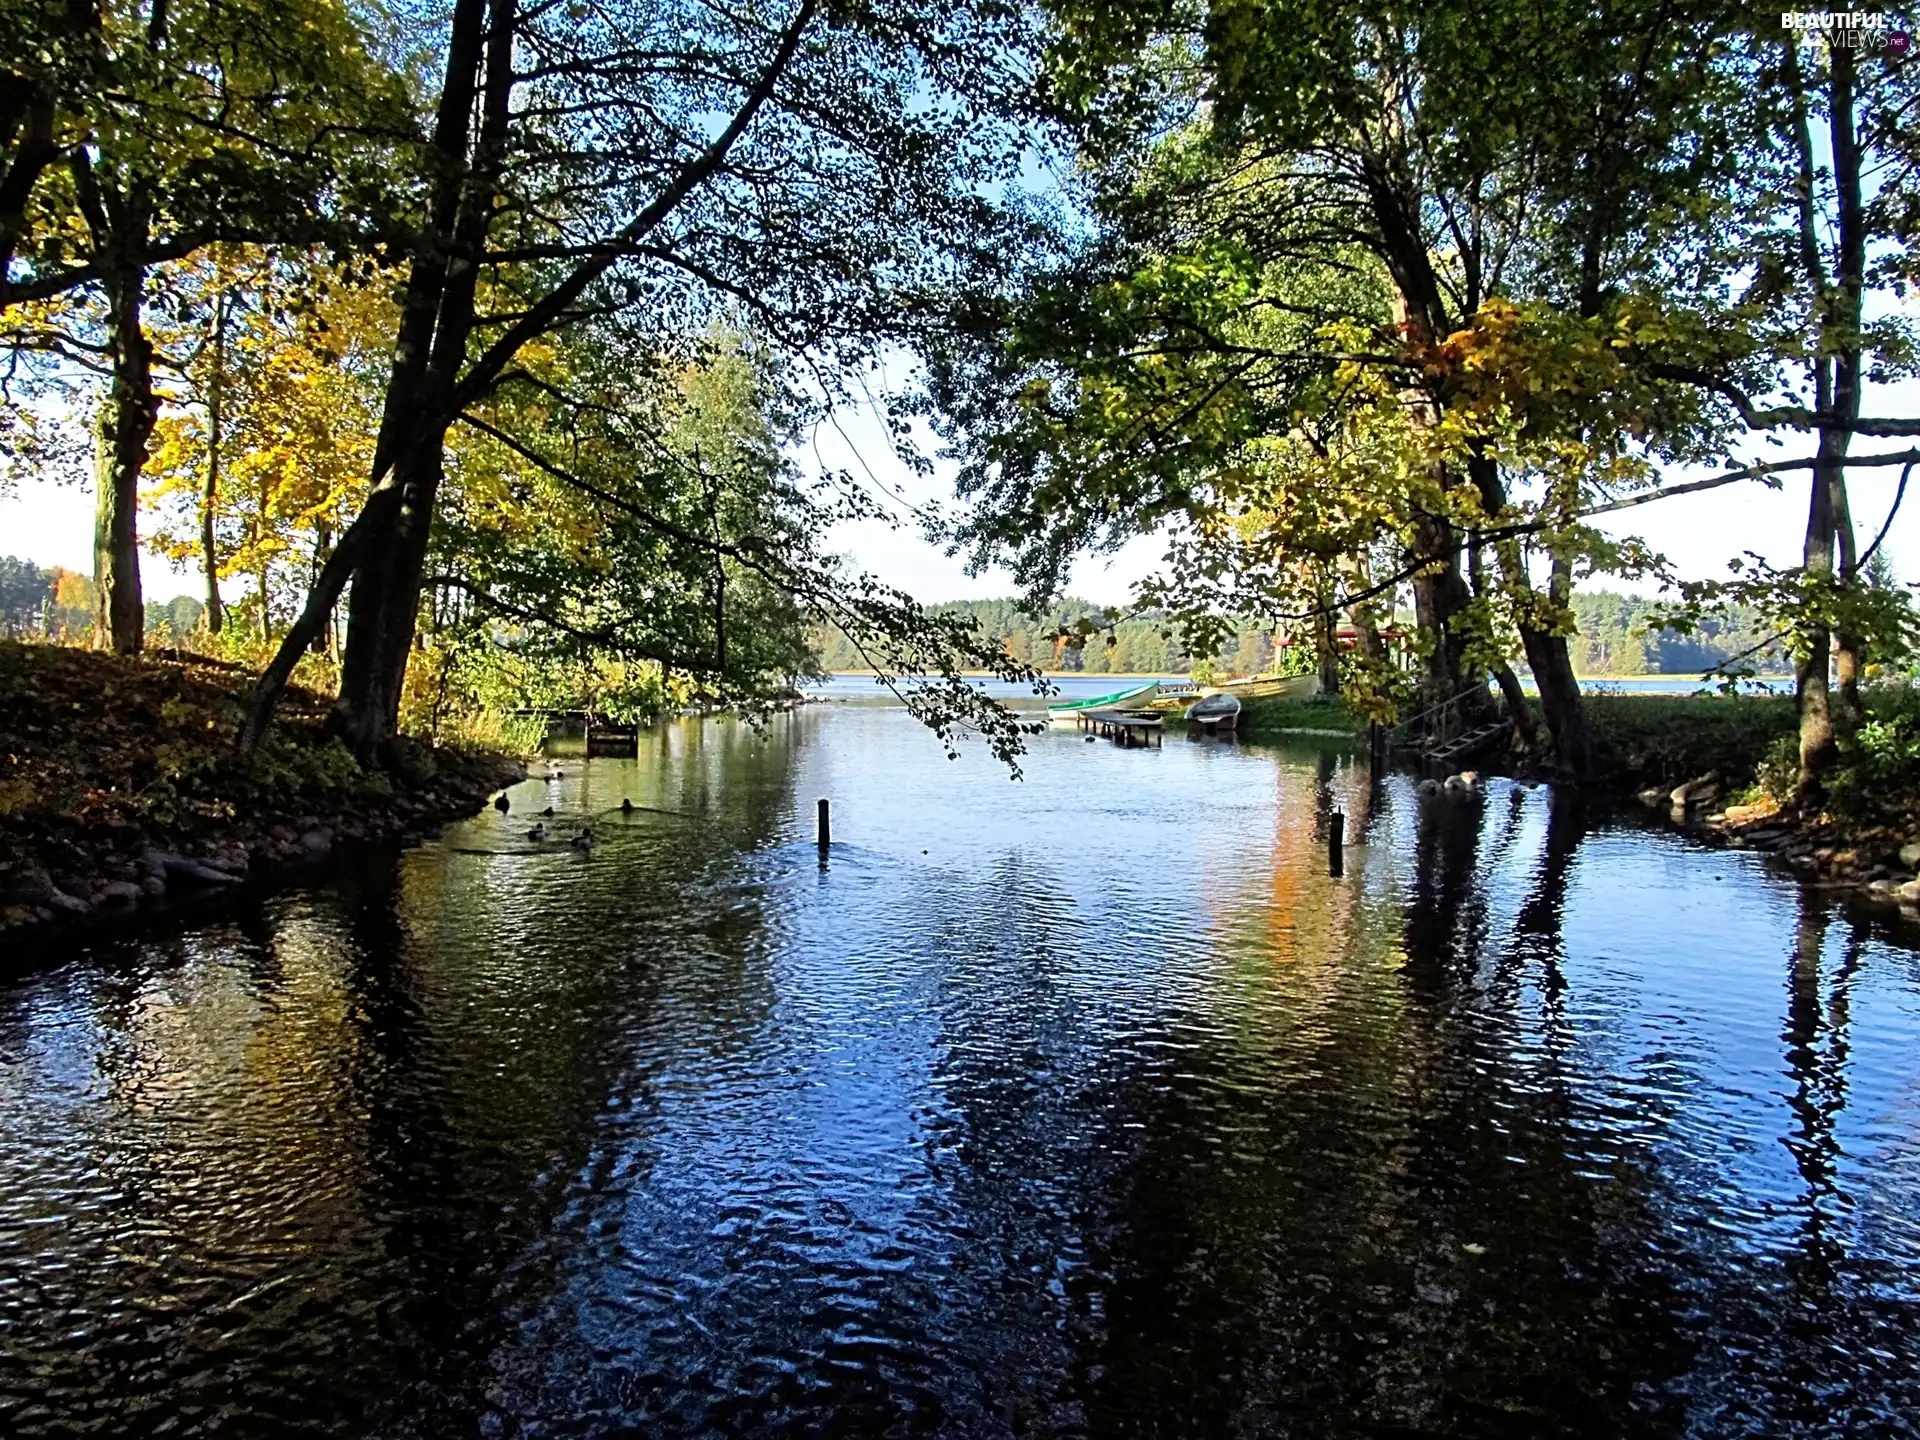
1086,1105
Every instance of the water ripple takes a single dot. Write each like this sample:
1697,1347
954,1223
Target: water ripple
1088,1105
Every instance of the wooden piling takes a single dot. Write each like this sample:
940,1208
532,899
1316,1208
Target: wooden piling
824,833
1336,844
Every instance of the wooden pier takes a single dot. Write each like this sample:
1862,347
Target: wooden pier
606,738
598,735
1122,727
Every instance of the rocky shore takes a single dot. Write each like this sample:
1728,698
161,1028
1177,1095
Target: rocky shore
120,792
1878,863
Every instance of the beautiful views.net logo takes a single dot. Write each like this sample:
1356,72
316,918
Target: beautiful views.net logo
1848,29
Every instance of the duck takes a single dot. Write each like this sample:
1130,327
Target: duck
539,832
626,807
583,841
548,812
500,803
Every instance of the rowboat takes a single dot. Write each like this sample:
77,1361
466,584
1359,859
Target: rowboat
1139,697
1214,714
1269,687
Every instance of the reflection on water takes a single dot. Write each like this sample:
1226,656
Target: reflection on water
1085,1105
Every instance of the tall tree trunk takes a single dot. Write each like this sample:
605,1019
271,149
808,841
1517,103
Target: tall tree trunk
263,509
1551,661
1849,650
1817,748
1326,645
1518,710
384,608
1844,344
322,544
126,425
1549,658
1439,595
1440,591
1568,733
216,423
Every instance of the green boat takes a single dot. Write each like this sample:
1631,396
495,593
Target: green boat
1072,709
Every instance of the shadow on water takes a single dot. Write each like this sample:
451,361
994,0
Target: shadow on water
1091,1105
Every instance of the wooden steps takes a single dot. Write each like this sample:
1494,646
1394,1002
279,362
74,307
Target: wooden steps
1445,759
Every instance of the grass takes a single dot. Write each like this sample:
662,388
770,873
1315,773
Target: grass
102,756
1664,738
1672,738
1260,719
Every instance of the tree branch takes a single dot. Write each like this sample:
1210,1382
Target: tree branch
611,639
1794,417
1752,472
605,255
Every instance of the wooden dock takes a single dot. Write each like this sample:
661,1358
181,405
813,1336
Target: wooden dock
1122,727
606,738
599,735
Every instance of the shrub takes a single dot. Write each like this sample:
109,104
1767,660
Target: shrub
1881,771
1671,738
1779,771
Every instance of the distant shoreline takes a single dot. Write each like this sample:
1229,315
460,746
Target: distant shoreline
1162,675
1697,679
1045,674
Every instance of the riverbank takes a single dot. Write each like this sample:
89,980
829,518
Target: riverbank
120,790
1721,764
1323,715
1714,765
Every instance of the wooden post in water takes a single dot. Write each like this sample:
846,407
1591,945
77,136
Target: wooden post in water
1336,844
825,833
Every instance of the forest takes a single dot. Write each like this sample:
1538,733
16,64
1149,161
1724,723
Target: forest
469,359
1616,635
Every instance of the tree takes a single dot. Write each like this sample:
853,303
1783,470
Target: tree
1377,198
74,605
1824,210
266,438
137,136
663,166
24,592
655,540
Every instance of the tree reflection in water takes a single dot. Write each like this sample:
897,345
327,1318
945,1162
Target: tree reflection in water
1089,1105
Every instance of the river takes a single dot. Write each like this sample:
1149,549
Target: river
1084,1105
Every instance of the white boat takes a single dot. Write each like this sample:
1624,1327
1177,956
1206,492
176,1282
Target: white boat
1269,687
1138,697
1214,714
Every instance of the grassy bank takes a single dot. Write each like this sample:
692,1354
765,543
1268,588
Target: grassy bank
1646,738
1667,739
1309,714
119,784
1695,677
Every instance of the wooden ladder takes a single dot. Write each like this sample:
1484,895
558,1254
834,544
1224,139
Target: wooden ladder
1447,758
